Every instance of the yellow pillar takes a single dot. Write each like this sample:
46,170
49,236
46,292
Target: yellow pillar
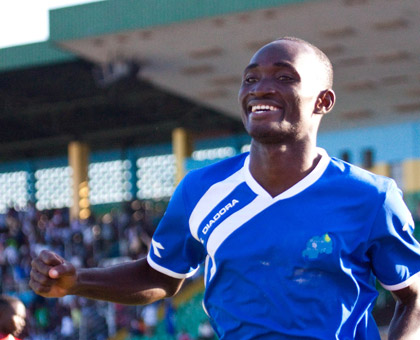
411,175
78,155
382,169
182,149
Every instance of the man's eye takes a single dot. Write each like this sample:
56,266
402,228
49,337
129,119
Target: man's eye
284,78
250,80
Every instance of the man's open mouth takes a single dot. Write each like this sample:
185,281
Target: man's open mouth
262,108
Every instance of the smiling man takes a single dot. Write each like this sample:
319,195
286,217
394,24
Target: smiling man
292,240
299,79
285,92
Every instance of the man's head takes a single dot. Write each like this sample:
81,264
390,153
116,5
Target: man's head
12,315
286,89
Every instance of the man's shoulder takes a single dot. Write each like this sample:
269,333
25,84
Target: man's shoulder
217,171
357,177
197,182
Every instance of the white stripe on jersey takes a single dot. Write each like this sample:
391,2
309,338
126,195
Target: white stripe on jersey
169,272
216,193
232,223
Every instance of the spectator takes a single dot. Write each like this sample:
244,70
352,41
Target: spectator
67,328
205,331
150,318
12,317
184,335
170,318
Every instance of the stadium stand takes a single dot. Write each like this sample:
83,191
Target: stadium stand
55,91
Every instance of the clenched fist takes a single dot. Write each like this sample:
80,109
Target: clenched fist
51,275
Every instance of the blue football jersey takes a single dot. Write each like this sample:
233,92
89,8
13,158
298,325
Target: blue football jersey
301,265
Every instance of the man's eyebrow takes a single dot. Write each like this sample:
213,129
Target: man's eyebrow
284,65
250,67
277,64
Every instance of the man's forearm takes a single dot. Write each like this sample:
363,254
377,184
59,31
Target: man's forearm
405,324
128,283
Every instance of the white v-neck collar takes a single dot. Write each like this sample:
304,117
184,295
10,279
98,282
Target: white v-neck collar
304,183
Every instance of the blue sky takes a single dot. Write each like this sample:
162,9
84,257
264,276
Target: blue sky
26,21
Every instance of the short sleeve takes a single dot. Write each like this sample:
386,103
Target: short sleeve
174,251
394,252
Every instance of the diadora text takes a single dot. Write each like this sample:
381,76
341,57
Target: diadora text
219,214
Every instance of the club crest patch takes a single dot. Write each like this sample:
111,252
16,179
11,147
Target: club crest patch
318,245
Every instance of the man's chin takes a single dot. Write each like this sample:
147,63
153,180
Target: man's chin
270,137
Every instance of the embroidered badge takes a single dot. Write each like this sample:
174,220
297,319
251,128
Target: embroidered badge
318,245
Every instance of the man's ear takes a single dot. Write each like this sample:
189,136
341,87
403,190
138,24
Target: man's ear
325,102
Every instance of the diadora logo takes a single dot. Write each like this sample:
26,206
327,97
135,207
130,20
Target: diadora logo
220,213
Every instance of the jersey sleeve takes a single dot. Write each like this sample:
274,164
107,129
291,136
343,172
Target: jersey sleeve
174,251
394,252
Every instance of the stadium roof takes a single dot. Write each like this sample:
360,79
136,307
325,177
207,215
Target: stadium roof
118,63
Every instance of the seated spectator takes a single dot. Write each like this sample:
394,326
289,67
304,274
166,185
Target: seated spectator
205,331
12,317
184,335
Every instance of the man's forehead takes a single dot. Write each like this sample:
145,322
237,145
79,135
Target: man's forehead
291,54
283,51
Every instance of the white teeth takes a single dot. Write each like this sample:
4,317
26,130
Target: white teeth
263,108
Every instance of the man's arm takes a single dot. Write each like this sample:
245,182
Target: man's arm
405,323
128,283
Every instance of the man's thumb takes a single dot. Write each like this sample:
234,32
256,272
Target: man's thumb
60,270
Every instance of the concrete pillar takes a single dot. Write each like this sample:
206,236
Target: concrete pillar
78,155
382,169
411,175
182,149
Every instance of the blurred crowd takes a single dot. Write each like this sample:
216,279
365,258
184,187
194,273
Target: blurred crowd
119,235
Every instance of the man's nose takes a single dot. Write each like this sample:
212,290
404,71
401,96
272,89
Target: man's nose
263,88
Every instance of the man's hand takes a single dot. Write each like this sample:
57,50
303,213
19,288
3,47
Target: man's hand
51,275
133,282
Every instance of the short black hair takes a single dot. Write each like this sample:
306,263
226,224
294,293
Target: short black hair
324,60
8,301
9,307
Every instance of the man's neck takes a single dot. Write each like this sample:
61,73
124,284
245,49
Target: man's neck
278,167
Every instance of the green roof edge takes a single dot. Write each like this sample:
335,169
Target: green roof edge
106,17
36,54
113,16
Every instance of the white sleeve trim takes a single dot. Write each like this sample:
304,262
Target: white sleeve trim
169,272
401,285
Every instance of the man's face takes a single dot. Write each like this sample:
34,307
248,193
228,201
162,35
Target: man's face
279,92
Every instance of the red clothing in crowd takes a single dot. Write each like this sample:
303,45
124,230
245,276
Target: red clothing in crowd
8,337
